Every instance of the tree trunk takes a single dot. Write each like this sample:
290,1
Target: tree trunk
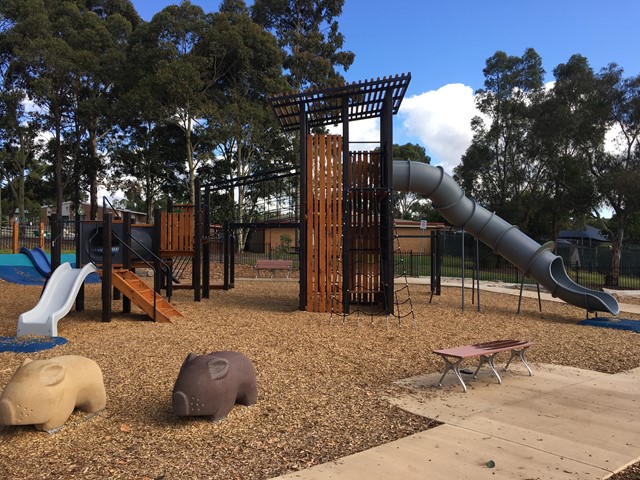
613,277
58,161
192,169
92,173
240,216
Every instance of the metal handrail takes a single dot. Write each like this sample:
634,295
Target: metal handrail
113,209
164,266
155,279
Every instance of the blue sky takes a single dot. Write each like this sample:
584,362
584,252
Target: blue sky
445,45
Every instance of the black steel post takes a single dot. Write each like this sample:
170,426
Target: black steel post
206,246
80,296
386,212
126,254
304,251
106,267
478,269
346,210
156,242
439,256
462,269
232,259
197,244
56,241
225,256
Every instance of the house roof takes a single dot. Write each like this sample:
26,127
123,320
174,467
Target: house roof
588,233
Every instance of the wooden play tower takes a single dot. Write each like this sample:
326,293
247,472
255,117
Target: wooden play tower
346,225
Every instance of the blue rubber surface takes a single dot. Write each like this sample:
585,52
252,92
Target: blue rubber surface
30,276
19,268
617,323
29,344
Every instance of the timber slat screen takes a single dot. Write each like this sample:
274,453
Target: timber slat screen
305,111
324,107
365,228
324,218
177,231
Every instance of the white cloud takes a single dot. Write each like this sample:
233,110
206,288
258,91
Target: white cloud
441,121
614,140
361,131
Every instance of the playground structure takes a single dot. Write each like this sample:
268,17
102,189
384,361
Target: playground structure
505,239
343,210
346,229
346,246
158,247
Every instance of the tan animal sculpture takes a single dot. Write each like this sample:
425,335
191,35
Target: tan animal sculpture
44,393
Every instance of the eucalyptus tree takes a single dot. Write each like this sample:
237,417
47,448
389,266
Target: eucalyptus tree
100,39
500,168
570,125
408,205
248,137
19,151
43,65
617,172
148,164
309,34
182,72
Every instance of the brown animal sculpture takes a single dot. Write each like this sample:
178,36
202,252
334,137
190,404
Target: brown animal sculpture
44,393
210,385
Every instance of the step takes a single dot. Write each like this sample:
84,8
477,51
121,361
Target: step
143,296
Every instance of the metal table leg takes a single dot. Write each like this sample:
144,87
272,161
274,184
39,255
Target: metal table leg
488,359
521,355
455,366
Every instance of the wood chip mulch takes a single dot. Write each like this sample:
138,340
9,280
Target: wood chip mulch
321,387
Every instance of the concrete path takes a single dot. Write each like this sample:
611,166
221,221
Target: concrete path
563,423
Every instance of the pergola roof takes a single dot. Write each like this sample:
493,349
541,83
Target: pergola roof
324,107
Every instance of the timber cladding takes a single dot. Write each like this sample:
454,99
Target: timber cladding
324,219
364,237
177,231
326,229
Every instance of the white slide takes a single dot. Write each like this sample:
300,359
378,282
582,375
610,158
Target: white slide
56,301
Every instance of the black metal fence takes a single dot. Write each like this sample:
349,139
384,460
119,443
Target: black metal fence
414,264
590,274
36,235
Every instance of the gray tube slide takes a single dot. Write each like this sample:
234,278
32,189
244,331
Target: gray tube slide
505,239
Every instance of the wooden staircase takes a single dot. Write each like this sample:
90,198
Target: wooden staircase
142,295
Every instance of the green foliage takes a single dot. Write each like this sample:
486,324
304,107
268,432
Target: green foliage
409,205
284,247
308,32
498,169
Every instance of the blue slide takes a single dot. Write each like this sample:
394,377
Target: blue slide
39,258
505,239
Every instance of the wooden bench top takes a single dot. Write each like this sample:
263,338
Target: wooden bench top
486,348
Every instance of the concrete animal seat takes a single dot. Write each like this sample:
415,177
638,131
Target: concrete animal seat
44,393
210,385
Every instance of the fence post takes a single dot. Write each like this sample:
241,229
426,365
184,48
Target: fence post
16,230
41,235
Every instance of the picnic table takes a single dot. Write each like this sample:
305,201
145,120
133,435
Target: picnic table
486,351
